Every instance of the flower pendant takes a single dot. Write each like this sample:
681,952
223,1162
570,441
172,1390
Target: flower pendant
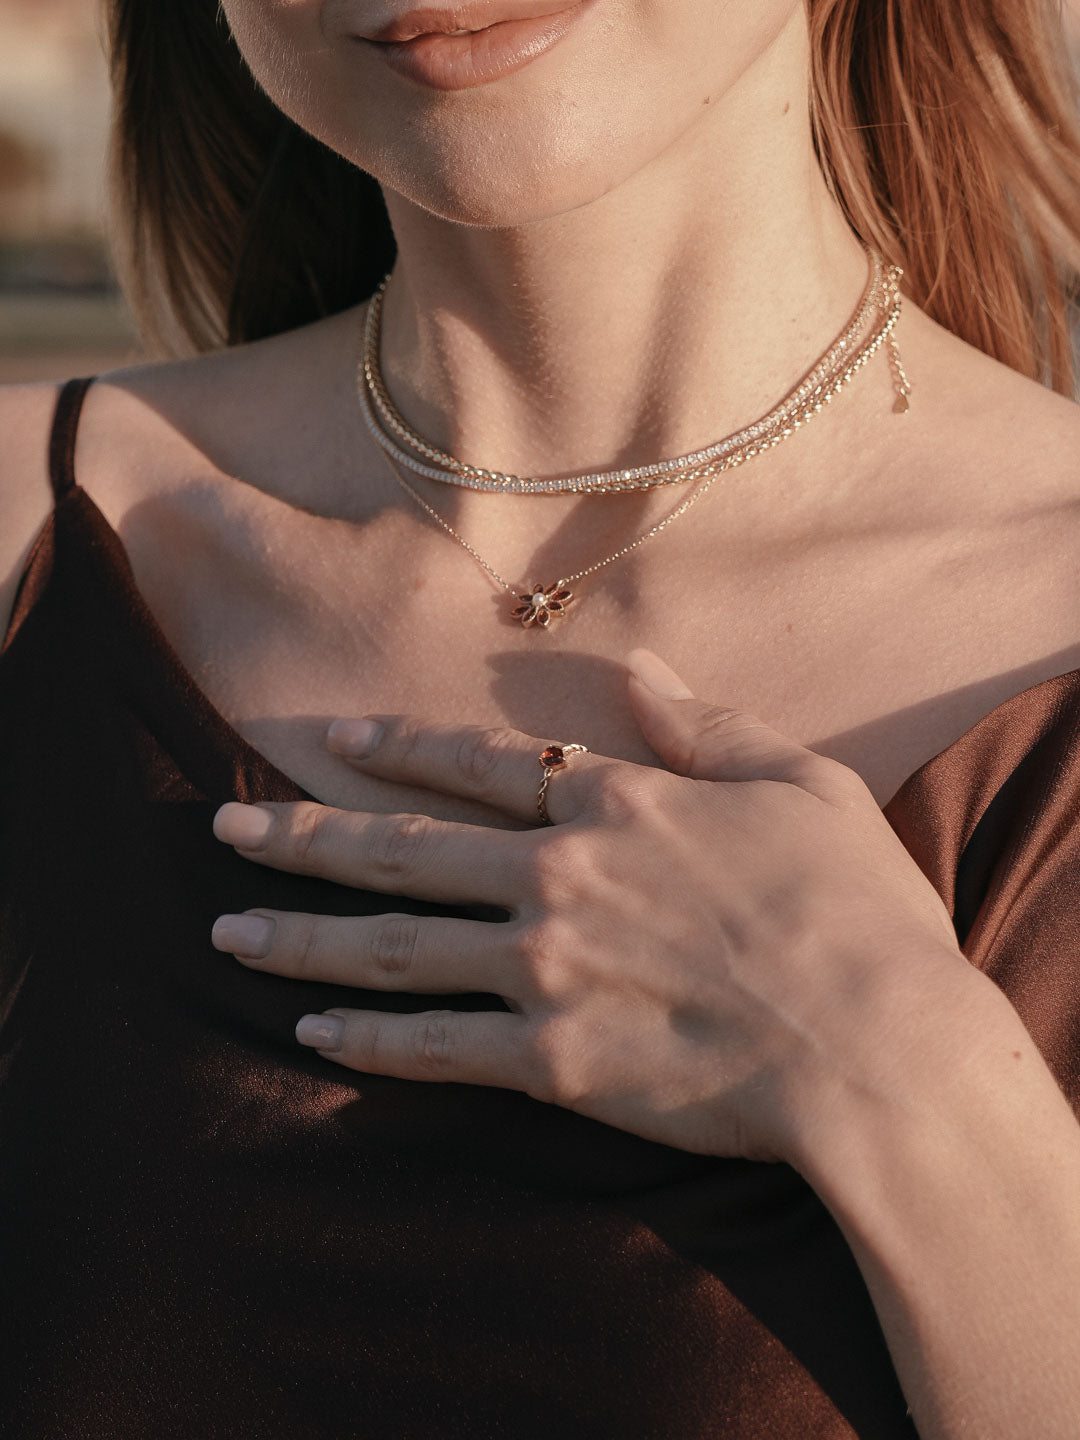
542,604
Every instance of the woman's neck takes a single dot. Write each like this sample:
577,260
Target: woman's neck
670,311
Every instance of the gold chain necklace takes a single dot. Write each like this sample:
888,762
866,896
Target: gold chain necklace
543,603
411,451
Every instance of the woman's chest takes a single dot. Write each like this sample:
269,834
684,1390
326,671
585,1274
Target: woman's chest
878,653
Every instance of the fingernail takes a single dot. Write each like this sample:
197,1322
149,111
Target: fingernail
321,1032
656,676
354,738
249,937
247,826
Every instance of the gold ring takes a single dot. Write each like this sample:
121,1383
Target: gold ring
552,759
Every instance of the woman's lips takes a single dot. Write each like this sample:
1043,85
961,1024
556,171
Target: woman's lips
458,62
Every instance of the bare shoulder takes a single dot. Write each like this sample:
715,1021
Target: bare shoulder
1017,444
987,418
26,413
999,454
266,412
1032,429
275,413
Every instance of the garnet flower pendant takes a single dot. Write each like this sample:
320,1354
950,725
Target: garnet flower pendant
543,603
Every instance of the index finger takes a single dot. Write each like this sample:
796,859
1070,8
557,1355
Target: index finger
502,767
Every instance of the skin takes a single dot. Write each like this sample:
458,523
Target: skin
646,274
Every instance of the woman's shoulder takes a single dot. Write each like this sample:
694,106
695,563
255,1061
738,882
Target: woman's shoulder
233,408
995,455
988,418
985,469
260,412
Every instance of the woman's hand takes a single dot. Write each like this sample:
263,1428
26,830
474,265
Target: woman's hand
738,958
711,956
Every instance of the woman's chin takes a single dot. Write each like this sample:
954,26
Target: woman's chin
494,206
509,186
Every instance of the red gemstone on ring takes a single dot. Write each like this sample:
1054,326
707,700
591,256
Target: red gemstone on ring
553,755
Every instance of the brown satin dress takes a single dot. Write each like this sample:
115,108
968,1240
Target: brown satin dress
209,1233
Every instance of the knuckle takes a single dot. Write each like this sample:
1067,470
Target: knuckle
555,1078
308,832
408,736
622,790
542,952
553,868
369,1044
724,719
396,844
567,870
480,753
846,784
435,1040
716,725
307,945
393,945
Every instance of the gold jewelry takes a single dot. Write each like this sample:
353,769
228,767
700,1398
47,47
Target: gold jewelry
902,404
542,603
385,422
553,759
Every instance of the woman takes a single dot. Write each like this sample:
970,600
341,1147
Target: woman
724,1103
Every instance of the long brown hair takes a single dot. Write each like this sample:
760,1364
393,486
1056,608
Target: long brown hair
949,131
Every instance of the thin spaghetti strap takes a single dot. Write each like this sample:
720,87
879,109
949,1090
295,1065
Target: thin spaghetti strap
62,440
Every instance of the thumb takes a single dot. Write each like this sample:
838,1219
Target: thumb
713,742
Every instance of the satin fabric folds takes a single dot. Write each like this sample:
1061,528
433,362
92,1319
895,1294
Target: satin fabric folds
209,1232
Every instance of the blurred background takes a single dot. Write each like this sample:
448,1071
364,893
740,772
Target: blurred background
60,313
